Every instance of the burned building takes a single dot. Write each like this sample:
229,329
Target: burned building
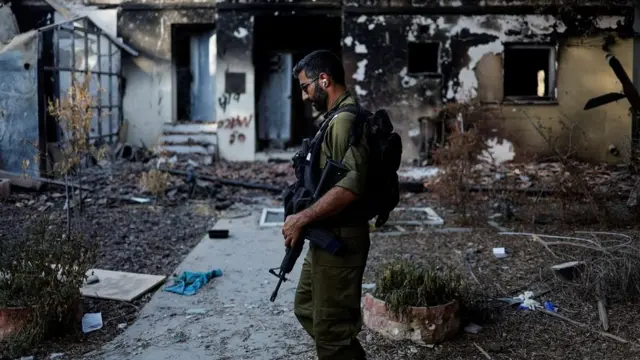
215,77
41,55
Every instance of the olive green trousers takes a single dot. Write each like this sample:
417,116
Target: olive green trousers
327,300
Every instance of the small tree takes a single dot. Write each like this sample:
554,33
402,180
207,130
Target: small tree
74,113
43,271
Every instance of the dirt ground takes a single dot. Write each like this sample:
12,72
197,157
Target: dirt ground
154,238
507,332
142,238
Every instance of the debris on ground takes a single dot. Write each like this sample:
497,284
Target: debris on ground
540,176
147,234
91,322
189,282
119,285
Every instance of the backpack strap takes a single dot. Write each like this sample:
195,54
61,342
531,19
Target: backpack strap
355,132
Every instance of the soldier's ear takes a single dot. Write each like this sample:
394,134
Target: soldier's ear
324,81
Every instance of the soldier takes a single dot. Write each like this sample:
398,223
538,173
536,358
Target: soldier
327,300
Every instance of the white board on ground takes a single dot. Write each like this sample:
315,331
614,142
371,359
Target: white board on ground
272,217
432,217
118,285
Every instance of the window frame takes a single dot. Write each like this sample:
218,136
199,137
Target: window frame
438,58
551,97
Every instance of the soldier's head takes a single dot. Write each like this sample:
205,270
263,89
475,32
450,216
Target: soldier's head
321,77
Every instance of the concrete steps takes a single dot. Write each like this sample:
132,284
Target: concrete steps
189,138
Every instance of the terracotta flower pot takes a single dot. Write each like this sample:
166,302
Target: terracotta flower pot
426,325
12,320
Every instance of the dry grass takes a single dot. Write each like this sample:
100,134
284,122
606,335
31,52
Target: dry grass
403,285
610,263
155,182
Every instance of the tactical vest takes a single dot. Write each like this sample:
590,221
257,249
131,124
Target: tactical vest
307,169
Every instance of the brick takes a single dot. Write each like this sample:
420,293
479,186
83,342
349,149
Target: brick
430,325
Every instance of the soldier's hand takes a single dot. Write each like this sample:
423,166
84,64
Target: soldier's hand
292,229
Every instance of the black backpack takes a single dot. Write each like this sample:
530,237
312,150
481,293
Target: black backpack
385,152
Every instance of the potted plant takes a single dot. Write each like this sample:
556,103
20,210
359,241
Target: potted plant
415,303
41,274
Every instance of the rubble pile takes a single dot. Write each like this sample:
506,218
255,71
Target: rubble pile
547,176
117,179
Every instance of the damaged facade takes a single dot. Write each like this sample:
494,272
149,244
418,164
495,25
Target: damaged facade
215,77
40,59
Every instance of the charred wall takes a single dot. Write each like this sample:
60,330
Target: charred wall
381,52
235,84
149,99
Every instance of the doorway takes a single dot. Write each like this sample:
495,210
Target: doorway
194,58
283,119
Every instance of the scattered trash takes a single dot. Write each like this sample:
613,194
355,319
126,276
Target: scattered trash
189,282
56,356
368,286
91,322
527,302
122,326
499,253
549,306
473,328
139,200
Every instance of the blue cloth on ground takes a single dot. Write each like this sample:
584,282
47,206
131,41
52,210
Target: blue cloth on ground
189,282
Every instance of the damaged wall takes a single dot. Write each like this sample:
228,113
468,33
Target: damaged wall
468,65
149,100
19,129
235,108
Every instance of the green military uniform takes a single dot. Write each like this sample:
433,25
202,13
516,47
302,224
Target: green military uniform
327,301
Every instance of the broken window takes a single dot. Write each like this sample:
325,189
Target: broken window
529,72
423,57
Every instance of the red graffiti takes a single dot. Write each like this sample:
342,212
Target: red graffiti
235,122
240,136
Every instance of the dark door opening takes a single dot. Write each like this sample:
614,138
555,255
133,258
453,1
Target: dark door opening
193,49
283,119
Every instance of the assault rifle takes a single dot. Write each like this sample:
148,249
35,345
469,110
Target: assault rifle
332,173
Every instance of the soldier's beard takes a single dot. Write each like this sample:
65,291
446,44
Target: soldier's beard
319,100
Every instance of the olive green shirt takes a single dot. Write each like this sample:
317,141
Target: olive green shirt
336,147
